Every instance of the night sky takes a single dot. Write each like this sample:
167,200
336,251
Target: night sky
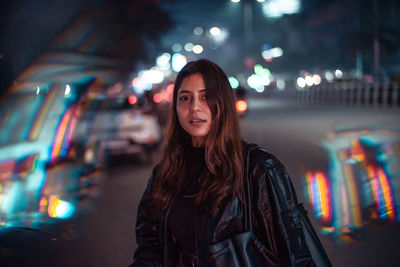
327,34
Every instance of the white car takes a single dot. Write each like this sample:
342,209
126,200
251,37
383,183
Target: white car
119,126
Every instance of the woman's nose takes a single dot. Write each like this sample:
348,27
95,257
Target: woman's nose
196,105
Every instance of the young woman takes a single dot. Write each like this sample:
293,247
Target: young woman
196,196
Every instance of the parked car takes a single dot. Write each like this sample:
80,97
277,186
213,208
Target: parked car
124,125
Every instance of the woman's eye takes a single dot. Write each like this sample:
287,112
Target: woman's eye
204,97
183,98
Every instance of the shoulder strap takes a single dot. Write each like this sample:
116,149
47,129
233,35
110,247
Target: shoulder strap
248,221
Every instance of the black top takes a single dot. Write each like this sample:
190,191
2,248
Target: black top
181,217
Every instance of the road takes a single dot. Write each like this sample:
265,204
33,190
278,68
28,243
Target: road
295,134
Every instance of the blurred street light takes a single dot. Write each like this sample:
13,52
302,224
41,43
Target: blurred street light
67,90
316,79
277,8
176,47
301,82
329,76
338,74
198,31
189,47
197,49
215,31
309,81
234,82
178,62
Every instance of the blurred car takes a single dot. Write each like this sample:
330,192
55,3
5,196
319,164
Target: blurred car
124,125
241,101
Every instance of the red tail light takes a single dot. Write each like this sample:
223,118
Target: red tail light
132,100
241,106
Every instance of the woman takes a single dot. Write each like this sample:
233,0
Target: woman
196,194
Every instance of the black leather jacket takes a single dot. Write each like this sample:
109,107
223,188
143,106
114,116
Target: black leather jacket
275,220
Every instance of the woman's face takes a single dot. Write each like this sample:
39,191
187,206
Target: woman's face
192,108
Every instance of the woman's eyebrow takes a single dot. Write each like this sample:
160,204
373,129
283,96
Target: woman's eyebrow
186,91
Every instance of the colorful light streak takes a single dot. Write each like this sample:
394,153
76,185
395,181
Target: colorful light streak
59,208
319,194
363,167
382,193
62,128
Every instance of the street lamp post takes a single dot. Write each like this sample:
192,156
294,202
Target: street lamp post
248,29
248,24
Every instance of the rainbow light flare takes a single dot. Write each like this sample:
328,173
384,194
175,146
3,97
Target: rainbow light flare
59,208
382,193
62,128
319,194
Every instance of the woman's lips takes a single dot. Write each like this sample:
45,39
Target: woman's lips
196,121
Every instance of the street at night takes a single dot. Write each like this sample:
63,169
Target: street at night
86,93
104,235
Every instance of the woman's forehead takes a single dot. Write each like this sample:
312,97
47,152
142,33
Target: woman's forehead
192,83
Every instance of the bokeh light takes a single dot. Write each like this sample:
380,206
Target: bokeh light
67,90
198,31
301,82
215,31
338,74
234,82
278,8
178,62
197,49
280,84
316,79
329,76
132,99
241,105
176,47
152,76
189,47
309,81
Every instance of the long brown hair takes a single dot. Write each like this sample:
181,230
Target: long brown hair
223,145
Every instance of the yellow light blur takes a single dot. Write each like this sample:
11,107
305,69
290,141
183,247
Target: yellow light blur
52,210
241,105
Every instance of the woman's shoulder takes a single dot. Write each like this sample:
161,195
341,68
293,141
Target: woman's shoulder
260,155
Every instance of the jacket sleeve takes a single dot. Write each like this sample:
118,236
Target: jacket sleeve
148,252
277,207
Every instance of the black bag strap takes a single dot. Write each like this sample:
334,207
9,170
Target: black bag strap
314,245
248,220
